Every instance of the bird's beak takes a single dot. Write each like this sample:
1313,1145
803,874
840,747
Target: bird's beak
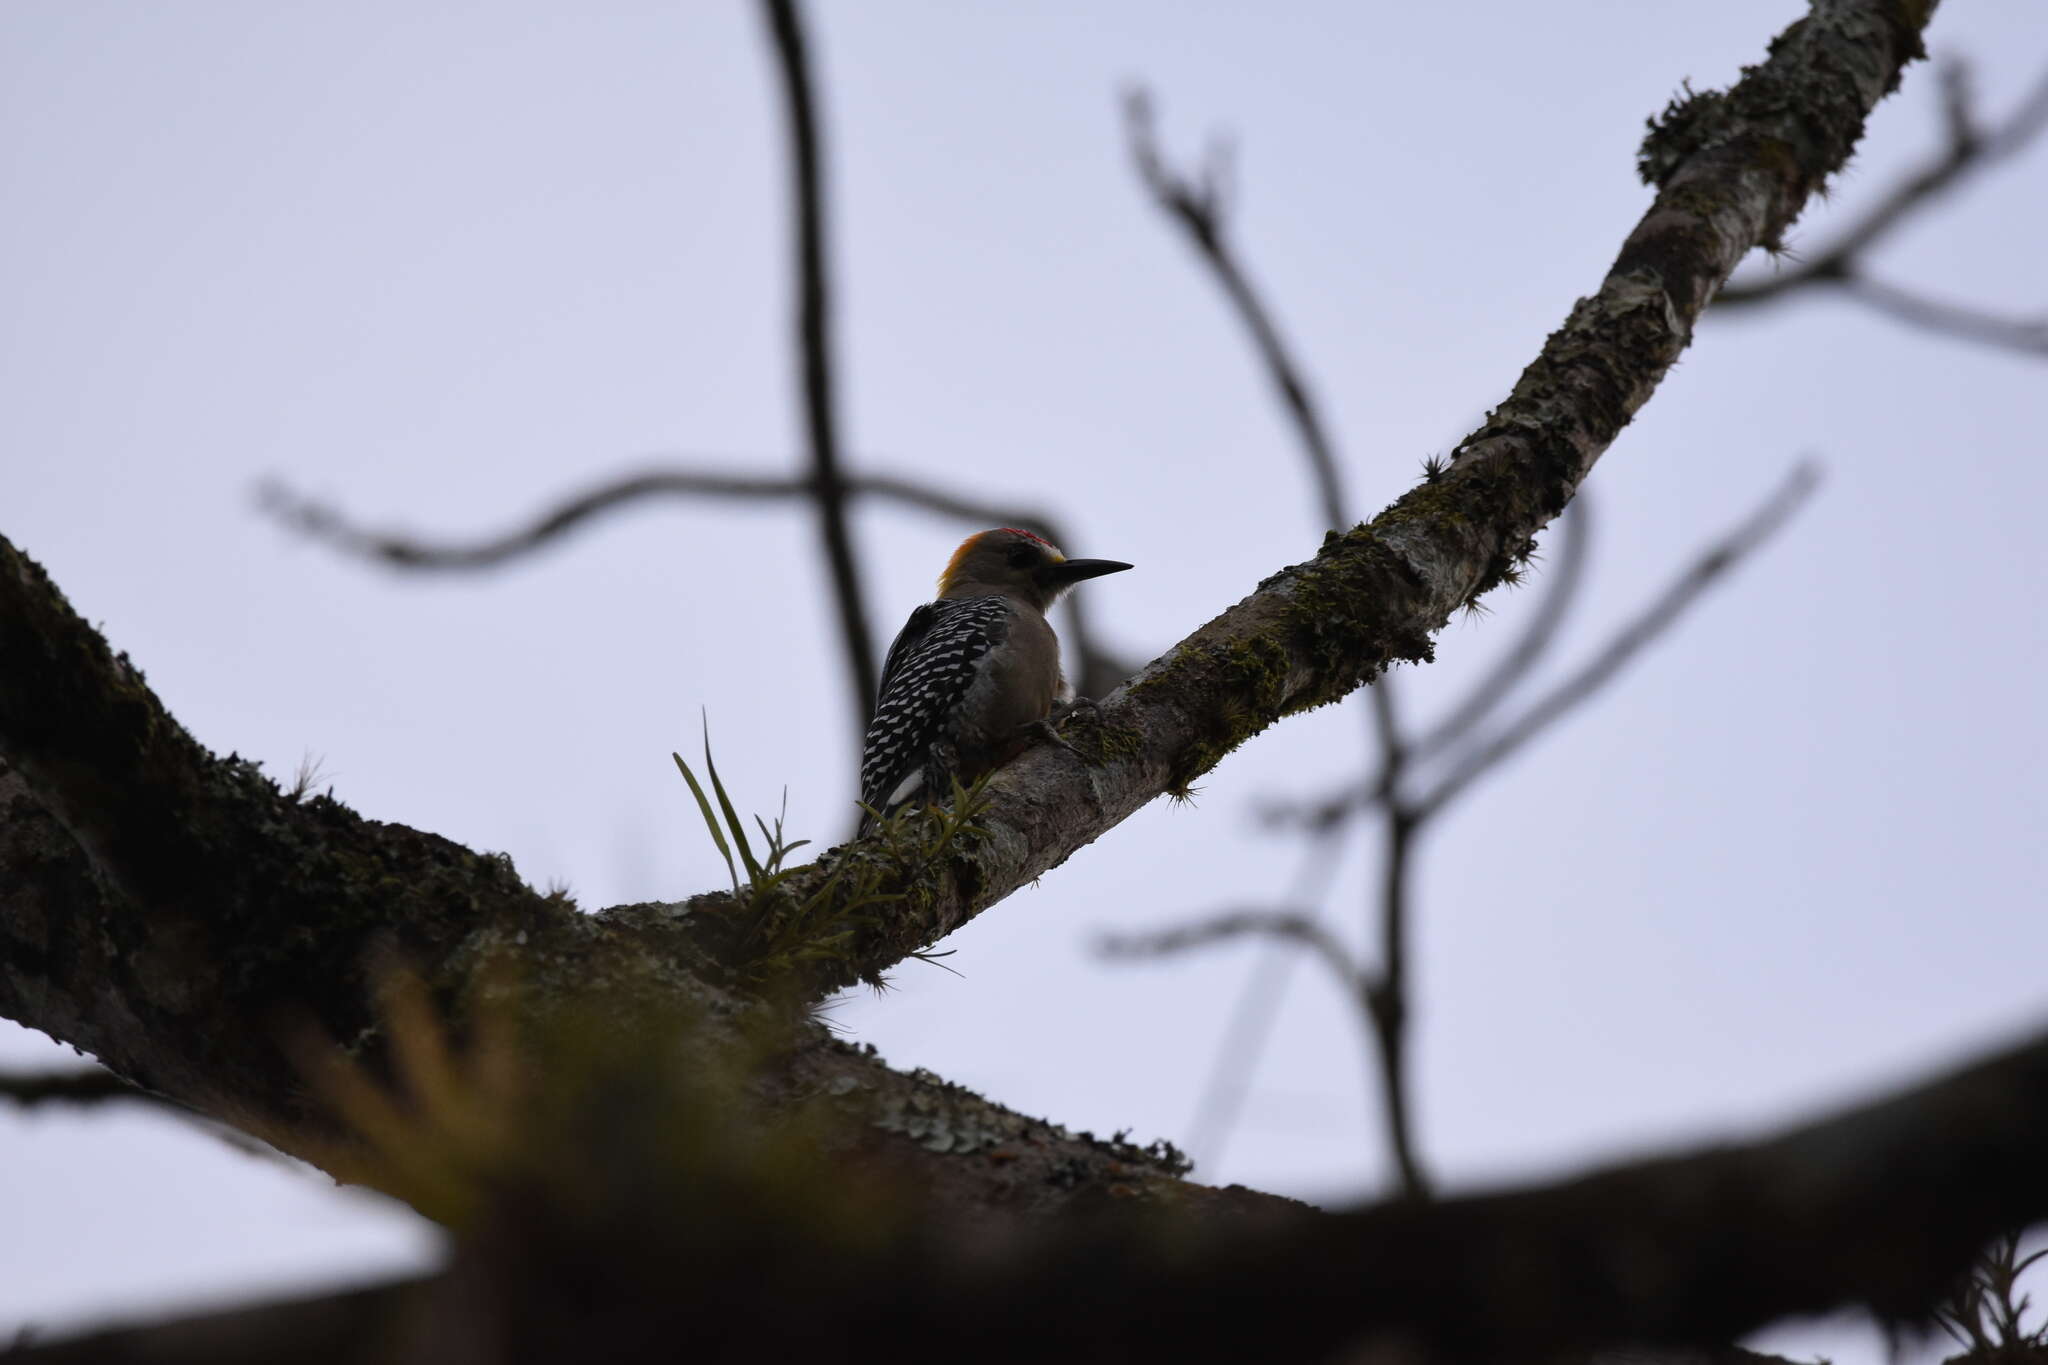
1068,572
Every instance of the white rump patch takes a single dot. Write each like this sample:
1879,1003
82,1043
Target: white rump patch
907,788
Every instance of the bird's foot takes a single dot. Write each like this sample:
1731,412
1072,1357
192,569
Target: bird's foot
1068,708
1043,729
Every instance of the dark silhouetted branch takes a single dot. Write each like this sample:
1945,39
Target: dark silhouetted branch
1587,680
814,350
78,1085
1386,1000
1882,1205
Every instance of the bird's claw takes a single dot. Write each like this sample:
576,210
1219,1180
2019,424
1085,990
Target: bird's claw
1043,729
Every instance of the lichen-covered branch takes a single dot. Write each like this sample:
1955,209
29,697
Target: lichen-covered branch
270,923
1733,170
263,914
1843,263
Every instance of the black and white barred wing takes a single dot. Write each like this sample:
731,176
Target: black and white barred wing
935,659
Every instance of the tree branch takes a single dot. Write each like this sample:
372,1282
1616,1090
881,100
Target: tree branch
79,1085
2028,335
174,914
1882,1204
1658,617
1201,207
814,351
1734,170
1386,1000
182,905
1292,925
1098,669
1560,591
1968,147
1594,674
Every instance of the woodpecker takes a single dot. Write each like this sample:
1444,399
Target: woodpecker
971,673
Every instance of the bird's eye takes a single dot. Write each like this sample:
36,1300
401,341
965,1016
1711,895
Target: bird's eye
1022,556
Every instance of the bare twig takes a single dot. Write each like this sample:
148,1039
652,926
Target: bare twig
1967,147
1098,670
1200,206
1295,925
1954,319
1655,619
1386,999
1382,998
1251,1018
1385,996
814,349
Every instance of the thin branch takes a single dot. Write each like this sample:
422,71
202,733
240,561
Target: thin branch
1658,617
1954,319
1098,670
1251,1018
1200,205
1560,590
1386,1000
814,350
1967,148
1292,925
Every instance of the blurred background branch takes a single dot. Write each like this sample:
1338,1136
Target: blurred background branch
1097,669
814,354
1198,202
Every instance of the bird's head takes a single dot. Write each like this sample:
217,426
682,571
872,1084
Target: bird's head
1025,566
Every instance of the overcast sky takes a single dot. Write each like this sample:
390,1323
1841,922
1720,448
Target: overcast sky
440,262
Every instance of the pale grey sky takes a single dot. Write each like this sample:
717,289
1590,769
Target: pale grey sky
440,261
